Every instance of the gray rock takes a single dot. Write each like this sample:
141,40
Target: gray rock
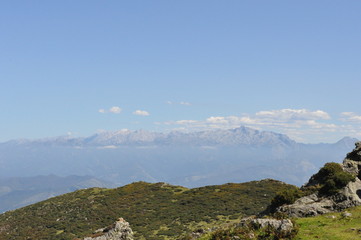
284,225
347,197
120,230
346,214
355,155
314,205
307,207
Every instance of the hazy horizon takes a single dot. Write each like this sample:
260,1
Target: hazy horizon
71,136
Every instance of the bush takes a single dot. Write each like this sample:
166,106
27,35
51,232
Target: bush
332,178
248,232
287,196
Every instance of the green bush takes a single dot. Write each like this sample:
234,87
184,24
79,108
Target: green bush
332,178
248,232
287,196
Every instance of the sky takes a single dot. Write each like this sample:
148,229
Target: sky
79,67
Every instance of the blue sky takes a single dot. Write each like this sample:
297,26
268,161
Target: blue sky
78,67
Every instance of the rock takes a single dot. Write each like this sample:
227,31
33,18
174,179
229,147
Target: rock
346,214
120,230
352,162
307,206
314,205
199,232
349,196
355,155
284,225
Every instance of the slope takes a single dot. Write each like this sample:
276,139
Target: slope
155,211
17,192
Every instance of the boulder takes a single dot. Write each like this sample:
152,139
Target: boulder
347,197
308,206
120,230
284,225
352,162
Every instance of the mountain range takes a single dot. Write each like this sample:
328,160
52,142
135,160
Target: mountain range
189,159
125,137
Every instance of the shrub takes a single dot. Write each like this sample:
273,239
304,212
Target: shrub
332,178
248,232
287,196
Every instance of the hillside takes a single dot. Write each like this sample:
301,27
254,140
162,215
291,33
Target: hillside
155,211
17,192
327,207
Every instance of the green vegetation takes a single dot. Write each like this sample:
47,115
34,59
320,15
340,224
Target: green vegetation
287,196
154,211
248,233
331,178
333,226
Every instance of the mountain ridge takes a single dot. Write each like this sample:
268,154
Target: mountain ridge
188,159
241,135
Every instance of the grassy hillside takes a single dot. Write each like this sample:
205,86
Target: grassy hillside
154,211
332,226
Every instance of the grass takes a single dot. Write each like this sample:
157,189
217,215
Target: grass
331,226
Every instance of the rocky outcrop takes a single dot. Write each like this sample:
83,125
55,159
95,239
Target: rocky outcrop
284,225
120,230
307,206
352,162
347,197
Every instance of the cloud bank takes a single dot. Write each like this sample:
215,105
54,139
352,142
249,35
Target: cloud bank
300,124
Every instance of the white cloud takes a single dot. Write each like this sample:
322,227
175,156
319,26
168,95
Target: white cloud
179,103
141,113
299,124
284,118
219,120
293,114
186,122
350,117
115,109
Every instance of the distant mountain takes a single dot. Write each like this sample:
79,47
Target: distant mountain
189,159
17,192
230,137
